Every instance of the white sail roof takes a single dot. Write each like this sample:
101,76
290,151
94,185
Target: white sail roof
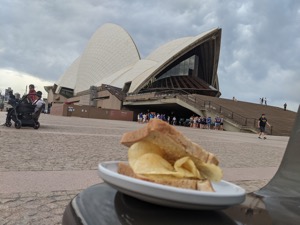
109,50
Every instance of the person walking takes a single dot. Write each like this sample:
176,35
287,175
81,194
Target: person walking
284,106
262,122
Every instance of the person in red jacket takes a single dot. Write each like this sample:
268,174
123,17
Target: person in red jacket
32,93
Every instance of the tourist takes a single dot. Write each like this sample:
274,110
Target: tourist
217,123
174,120
208,121
31,94
221,123
262,122
38,102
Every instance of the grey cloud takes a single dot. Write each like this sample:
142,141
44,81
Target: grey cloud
260,39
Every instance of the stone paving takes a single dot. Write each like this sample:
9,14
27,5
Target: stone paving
72,144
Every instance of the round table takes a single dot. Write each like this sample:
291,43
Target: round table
102,204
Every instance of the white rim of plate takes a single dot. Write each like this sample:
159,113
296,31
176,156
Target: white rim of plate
102,167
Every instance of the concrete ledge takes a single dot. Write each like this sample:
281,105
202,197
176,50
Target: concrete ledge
47,181
234,174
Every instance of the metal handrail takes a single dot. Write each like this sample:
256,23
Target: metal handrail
244,121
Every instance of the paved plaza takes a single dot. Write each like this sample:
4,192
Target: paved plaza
42,170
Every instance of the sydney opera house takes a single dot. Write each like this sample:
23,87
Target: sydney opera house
110,75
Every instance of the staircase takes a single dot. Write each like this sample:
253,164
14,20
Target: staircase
242,116
246,114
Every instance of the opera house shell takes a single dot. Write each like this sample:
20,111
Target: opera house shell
187,64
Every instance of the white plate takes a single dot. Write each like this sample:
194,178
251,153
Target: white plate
227,194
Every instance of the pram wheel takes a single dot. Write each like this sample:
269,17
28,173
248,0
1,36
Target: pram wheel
36,125
8,124
18,124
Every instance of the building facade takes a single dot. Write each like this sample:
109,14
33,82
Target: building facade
110,69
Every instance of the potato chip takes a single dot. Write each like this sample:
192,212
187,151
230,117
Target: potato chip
140,148
187,168
151,163
146,158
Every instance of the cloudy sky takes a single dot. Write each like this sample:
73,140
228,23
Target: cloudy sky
260,47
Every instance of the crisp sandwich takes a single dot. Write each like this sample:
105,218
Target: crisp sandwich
160,154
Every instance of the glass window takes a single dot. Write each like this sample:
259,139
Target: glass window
181,69
176,70
186,67
192,62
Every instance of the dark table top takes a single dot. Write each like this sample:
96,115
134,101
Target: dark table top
102,204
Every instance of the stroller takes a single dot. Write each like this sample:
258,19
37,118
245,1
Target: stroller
22,113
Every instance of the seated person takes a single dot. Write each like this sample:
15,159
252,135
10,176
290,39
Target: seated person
38,102
11,98
32,94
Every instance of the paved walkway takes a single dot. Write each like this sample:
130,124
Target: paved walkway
42,170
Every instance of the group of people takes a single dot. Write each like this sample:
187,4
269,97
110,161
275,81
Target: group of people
33,97
145,117
263,100
201,122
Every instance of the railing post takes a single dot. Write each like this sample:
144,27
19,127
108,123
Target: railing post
271,130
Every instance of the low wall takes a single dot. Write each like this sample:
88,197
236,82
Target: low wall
91,112
57,109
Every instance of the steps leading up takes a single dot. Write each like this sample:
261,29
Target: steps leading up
281,121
